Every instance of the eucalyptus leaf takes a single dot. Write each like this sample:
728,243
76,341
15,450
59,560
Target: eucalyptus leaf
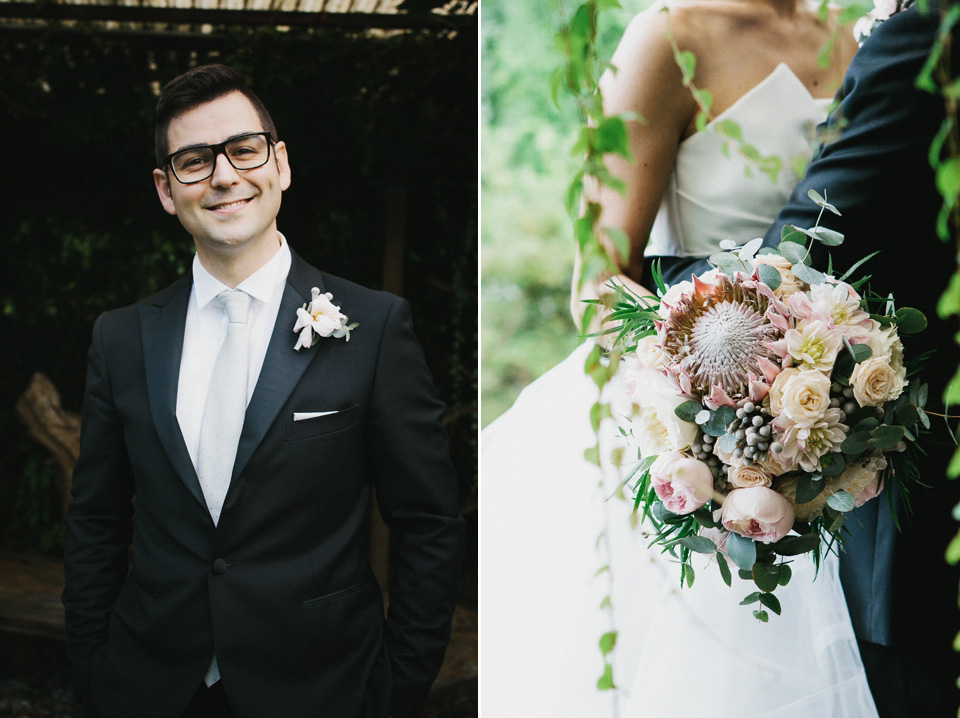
841,501
761,616
856,443
724,569
688,410
794,252
749,250
907,415
771,602
832,464
829,237
769,276
868,424
796,545
808,488
742,551
886,436
687,574
821,202
789,233
786,573
752,598
764,577
720,420
698,544
808,274
727,443
910,320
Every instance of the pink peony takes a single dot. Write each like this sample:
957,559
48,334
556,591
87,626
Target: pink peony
757,513
682,483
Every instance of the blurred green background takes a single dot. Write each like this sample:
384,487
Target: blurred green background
527,243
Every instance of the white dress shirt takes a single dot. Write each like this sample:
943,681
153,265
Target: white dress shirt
206,328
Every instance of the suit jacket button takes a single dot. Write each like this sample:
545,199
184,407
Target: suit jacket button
220,566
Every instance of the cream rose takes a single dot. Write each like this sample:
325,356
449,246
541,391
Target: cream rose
682,483
743,477
875,382
649,353
757,513
655,424
805,397
776,390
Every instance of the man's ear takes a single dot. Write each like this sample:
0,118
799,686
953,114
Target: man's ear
162,183
283,164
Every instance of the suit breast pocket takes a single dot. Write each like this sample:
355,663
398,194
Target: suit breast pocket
320,425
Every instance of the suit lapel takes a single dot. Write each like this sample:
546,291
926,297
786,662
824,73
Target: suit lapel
282,368
162,324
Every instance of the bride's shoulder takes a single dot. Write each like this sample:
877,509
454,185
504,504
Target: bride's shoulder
692,25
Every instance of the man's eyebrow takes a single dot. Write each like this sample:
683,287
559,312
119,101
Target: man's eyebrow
198,145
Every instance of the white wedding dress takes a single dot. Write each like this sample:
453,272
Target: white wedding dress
680,652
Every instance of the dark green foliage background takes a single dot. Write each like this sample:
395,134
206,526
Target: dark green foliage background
82,230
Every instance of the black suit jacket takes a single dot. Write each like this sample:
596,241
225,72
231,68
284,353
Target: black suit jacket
281,588
899,589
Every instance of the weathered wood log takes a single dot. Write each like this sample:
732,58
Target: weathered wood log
50,424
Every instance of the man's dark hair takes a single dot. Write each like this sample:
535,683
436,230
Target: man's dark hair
196,87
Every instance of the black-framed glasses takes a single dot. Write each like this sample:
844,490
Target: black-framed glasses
195,164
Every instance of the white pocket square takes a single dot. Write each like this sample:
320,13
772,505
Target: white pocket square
301,415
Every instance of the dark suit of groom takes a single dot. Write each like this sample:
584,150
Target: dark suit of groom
901,594
279,589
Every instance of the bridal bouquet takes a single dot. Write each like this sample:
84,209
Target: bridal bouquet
770,399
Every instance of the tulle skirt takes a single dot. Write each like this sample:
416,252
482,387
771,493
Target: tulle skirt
561,565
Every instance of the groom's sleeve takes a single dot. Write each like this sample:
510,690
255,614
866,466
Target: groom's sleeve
417,494
876,172
99,521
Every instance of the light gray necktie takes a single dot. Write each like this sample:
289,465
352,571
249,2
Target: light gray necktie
226,403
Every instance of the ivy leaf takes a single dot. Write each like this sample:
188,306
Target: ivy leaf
605,682
742,551
608,642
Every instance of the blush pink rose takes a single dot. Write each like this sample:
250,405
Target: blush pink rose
757,513
683,484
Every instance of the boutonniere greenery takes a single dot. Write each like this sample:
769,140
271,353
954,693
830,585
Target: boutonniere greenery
320,318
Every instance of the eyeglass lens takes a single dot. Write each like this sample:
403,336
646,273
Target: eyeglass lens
244,153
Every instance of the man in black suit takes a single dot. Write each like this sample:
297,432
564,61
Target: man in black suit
242,587
901,594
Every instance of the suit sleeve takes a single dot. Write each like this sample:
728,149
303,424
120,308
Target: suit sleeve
98,522
417,493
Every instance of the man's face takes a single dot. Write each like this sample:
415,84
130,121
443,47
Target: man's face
234,210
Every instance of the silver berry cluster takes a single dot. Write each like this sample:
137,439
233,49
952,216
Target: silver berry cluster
753,433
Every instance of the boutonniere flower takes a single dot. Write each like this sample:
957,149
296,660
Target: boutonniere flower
882,10
320,318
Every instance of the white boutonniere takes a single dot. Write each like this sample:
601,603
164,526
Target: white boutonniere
320,318
882,10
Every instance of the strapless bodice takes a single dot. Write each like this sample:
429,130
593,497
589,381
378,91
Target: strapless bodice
713,193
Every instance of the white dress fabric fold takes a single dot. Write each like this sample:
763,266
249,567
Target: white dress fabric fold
552,525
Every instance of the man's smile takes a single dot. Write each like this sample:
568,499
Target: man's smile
229,206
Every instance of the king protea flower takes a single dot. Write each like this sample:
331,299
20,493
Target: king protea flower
718,336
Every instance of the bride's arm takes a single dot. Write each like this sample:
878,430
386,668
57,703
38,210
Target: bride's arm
648,83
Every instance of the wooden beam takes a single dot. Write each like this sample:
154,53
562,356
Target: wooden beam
205,16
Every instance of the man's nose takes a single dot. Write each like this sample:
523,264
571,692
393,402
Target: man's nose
224,173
